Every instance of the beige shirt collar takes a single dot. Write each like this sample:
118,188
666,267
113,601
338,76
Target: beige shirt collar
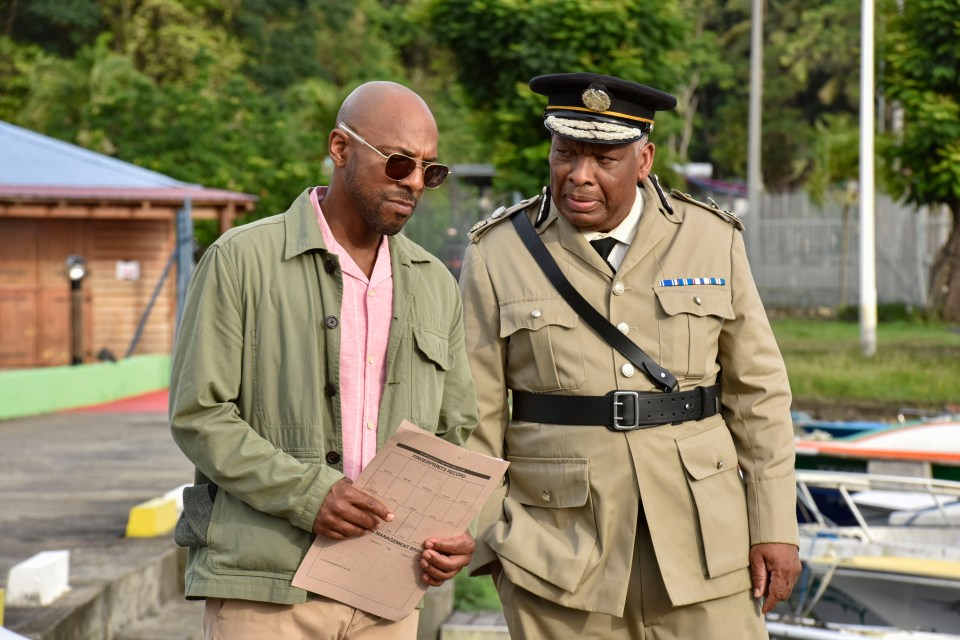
626,231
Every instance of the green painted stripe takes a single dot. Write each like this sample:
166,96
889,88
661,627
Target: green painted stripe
27,392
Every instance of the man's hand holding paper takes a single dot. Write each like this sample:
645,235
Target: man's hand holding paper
443,558
401,527
348,512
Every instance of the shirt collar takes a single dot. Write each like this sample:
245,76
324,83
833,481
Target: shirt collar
381,269
627,229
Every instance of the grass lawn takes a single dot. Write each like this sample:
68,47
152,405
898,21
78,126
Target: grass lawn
916,364
475,594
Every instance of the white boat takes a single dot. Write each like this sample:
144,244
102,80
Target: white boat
781,628
924,449
898,566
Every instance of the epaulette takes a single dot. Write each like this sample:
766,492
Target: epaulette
713,208
499,215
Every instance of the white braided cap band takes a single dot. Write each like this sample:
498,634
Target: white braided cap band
593,130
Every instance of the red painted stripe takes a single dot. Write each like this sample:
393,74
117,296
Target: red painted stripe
153,402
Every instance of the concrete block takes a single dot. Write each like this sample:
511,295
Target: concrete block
39,580
481,625
152,518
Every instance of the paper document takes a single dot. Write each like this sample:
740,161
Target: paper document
434,489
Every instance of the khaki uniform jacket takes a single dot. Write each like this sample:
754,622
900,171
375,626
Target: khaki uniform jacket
253,392
564,523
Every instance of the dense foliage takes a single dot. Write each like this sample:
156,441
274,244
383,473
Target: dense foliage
241,94
923,77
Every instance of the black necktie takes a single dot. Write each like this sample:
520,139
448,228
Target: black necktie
604,246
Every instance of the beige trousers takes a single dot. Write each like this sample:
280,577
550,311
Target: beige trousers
648,615
320,619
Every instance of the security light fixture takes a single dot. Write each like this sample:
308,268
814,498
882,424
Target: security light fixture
76,268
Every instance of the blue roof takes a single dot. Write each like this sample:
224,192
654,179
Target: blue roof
30,158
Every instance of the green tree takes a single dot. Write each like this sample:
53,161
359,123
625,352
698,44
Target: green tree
922,74
810,70
498,45
16,62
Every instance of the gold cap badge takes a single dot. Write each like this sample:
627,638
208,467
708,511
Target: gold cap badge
595,98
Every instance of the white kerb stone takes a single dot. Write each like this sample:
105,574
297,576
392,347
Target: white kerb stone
38,581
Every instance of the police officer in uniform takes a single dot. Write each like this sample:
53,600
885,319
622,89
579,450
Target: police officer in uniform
648,496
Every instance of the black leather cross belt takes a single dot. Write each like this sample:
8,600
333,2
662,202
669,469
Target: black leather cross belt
618,410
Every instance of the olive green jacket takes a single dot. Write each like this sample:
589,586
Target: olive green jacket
253,392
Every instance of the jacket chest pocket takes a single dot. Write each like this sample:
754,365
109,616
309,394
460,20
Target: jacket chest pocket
431,360
690,320
544,351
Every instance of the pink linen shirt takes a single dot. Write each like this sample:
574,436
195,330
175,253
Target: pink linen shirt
365,315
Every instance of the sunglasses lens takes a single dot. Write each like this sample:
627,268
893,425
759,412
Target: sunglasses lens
434,175
399,166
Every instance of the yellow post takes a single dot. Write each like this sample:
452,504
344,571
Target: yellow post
152,518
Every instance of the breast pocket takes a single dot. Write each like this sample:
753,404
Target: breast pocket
690,321
430,363
544,352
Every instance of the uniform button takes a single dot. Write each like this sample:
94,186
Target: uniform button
536,313
330,389
333,457
545,496
719,463
618,288
498,212
698,299
624,328
628,370
331,322
371,294
371,425
329,266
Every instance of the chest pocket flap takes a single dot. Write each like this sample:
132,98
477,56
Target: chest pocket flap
696,301
434,346
535,314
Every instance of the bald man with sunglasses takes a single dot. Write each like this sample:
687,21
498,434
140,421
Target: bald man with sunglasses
306,339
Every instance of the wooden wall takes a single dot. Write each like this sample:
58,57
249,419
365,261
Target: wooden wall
35,291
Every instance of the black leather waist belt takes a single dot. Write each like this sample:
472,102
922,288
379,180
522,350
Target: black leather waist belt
618,410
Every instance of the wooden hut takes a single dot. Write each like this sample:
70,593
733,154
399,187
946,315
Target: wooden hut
58,200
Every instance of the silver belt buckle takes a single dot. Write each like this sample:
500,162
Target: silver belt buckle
617,402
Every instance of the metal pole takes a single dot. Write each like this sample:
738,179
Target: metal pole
754,175
76,322
184,252
868,241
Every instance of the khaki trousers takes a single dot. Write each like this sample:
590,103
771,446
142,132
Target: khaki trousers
648,614
320,619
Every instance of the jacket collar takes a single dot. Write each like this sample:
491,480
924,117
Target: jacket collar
303,234
302,231
653,226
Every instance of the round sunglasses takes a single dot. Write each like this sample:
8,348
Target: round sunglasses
399,166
